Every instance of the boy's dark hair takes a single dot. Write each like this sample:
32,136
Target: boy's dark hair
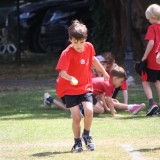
118,72
77,30
109,57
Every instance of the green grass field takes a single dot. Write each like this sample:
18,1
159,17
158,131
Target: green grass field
28,131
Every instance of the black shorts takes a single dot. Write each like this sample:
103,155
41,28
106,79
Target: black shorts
115,93
151,75
73,100
63,100
94,100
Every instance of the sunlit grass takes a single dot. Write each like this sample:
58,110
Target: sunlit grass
29,131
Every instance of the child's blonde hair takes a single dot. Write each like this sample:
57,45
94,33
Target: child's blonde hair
153,11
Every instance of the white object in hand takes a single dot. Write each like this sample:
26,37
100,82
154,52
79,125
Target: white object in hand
74,81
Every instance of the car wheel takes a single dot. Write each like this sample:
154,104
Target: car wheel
34,45
49,42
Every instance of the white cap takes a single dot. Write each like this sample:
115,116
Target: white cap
101,58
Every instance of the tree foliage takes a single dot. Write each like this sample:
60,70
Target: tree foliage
110,28
102,35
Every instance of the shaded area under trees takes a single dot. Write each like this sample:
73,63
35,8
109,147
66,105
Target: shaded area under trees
110,26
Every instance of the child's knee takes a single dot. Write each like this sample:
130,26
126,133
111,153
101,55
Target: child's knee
76,119
88,112
99,110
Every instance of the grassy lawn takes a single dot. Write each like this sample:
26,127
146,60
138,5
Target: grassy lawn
28,131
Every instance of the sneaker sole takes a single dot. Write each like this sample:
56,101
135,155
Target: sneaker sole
157,112
77,151
86,145
152,110
136,112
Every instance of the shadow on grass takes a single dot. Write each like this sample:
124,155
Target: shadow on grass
147,150
123,115
34,114
49,154
24,113
132,117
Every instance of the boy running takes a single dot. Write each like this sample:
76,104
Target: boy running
152,72
74,83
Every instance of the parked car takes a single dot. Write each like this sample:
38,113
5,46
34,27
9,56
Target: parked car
43,24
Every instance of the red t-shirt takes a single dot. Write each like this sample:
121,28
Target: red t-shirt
153,33
78,65
100,86
124,86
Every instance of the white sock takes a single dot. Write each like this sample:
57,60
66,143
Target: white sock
130,106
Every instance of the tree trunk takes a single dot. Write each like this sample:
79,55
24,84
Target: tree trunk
139,25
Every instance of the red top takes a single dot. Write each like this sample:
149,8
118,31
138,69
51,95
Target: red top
78,65
100,86
124,86
153,33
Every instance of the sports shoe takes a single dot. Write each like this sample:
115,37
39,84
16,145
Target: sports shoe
77,147
47,104
157,112
88,142
137,107
152,109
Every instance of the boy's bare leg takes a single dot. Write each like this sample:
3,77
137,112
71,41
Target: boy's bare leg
76,117
88,111
147,89
60,105
98,108
133,108
157,85
152,105
49,100
120,105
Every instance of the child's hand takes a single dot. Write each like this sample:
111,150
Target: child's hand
107,109
114,113
74,81
143,58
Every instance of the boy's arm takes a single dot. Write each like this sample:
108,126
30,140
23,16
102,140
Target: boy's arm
102,98
110,105
148,49
66,76
125,96
100,68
